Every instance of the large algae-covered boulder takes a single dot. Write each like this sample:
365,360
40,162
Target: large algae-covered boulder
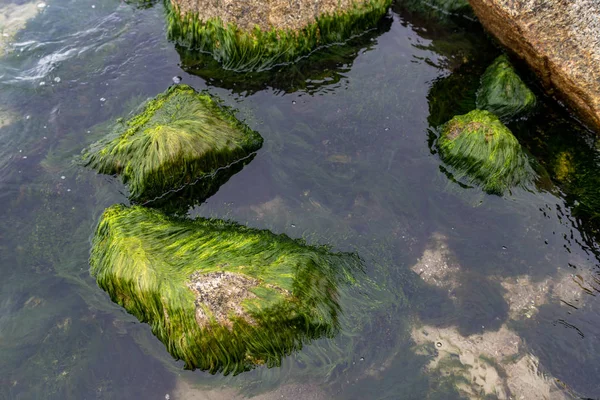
482,151
220,296
502,91
180,137
559,41
256,35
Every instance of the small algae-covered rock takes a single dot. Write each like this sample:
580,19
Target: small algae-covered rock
220,296
502,91
257,35
179,138
483,151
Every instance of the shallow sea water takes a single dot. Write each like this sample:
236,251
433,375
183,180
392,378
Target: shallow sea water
501,284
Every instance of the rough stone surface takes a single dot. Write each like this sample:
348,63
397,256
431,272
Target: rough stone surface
559,39
266,14
222,293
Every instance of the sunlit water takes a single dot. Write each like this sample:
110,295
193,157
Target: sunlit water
348,161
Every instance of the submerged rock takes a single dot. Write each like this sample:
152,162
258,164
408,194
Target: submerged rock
483,151
492,365
311,73
502,91
180,137
220,296
257,35
13,18
559,41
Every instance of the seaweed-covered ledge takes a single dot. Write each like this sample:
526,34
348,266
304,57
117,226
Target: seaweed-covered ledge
220,296
179,138
257,35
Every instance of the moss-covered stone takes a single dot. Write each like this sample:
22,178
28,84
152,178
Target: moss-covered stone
311,74
220,296
482,151
180,137
502,91
260,35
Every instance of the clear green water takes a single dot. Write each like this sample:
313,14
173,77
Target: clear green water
348,161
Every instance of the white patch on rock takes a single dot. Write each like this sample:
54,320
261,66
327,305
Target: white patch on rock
219,295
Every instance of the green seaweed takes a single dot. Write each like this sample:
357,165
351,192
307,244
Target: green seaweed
148,263
180,137
452,95
483,151
325,67
258,50
502,91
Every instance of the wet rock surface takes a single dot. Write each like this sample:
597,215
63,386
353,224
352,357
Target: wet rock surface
560,40
257,36
267,15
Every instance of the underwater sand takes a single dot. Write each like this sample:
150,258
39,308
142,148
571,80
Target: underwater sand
185,391
490,364
493,363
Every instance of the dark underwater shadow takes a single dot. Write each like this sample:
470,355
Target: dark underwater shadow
180,201
571,155
326,66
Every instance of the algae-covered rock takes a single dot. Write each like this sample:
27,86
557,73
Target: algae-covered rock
483,151
220,296
312,73
559,42
502,91
180,137
257,35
